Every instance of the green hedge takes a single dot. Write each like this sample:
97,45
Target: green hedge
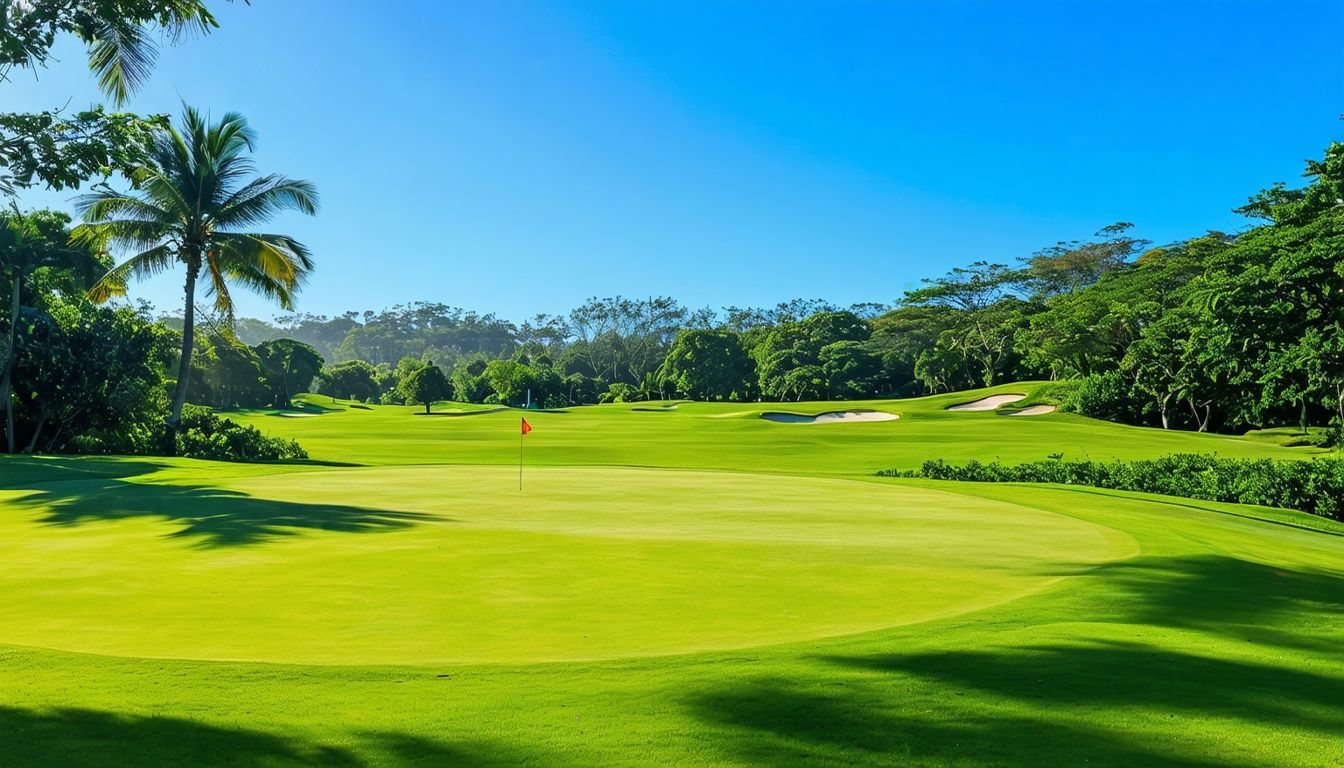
1314,486
203,435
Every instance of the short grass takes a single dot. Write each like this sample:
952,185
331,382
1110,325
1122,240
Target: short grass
691,587
733,436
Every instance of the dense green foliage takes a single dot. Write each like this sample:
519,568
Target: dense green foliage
206,436
288,367
1315,486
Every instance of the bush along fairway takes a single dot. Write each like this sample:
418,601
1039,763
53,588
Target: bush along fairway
693,586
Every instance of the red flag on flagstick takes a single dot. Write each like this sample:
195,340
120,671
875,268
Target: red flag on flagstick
525,429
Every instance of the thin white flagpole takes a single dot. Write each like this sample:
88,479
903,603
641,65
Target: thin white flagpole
520,456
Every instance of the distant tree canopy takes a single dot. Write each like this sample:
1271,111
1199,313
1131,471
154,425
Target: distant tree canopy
426,385
708,365
288,368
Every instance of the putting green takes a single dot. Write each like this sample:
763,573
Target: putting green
455,564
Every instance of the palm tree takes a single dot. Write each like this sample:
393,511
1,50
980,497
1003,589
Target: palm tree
193,205
29,242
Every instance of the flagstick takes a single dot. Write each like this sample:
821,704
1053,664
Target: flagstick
520,459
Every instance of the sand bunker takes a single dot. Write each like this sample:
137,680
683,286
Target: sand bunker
1034,410
987,403
830,417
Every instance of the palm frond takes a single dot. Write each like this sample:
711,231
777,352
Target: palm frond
101,206
122,57
262,198
219,288
144,264
123,234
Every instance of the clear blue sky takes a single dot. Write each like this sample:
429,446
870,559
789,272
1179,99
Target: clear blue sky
518,157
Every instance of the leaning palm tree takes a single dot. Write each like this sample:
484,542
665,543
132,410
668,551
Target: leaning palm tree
29,242
192,206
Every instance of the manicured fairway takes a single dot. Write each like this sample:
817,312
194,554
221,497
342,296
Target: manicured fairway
421,610
456,565
732,436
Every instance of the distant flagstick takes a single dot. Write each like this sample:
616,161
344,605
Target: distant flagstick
525,429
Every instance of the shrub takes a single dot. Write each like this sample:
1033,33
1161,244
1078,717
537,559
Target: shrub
1055,393
620,392
203,435
1104,396
1315,486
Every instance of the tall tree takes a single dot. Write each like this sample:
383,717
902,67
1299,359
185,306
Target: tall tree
1068,267
988,317
193,206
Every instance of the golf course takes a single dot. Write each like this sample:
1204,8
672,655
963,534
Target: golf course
688,585
573,384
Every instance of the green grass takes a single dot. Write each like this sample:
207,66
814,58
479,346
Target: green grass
690,587
733,436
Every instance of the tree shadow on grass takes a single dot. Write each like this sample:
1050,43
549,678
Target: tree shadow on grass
1228,595
25,470
212,517
95,739
782,723
1111,674
1075,702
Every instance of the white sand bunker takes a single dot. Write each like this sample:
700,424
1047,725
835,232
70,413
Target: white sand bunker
987,403
1034,410
830,417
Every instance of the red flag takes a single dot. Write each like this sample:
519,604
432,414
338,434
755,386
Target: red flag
526,427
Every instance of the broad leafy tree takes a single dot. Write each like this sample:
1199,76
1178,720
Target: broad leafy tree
352,379
707,365
288,367
29,242
425,385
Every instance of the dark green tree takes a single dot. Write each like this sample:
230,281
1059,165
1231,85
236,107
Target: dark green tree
707,365
288,367
28,243
425,385
353,379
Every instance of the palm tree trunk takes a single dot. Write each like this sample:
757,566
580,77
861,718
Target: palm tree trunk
6,377
184,365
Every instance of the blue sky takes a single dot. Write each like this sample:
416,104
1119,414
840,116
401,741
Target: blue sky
518,157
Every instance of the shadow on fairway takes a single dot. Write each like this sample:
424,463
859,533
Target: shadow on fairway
23,471
781,724
1019,706
82,737
1223,594
214,517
